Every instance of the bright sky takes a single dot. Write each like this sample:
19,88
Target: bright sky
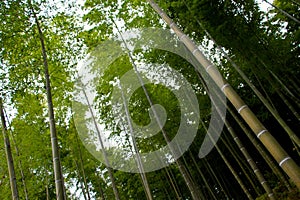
263,5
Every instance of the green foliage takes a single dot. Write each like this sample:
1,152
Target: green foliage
258,42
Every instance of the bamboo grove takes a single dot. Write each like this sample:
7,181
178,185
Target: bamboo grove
237,55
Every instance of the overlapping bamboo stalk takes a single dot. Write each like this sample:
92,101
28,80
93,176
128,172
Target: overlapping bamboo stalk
280,155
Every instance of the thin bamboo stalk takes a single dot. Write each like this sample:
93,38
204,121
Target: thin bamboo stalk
291,108
82,167
58,174
80,180
280,155
166,193
195,192
190,175
173,184
202,176
286,89
136,151
284,99
212,173
234,154
236,150
47,188
295,2
251,162
283,12
19,161
102,196
268,98
234,173
109,169
9,157
295,85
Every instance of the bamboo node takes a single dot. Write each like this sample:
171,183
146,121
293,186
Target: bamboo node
195,50
224,86
209,66
263,182
261,132
284,160
241,108
181,37
161,13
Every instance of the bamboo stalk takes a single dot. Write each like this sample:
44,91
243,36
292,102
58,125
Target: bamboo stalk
82,168
58,174
213,174
287,90
234,154
293,136
261,150
202,176
109,169
136,150
280,155
19,161
264,100
195,192
190,175
251,162
80,180
283,12
234,173
295,86
173,183
244,151
102,196
9,157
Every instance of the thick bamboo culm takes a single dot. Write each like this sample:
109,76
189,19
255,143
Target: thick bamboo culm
280,155
276,170
254,141
244,151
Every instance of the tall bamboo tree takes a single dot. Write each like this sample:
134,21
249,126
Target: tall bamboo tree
59,181
9,157
283,159
264,100
19,161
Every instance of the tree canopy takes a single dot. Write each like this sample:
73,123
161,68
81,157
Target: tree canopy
115,46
